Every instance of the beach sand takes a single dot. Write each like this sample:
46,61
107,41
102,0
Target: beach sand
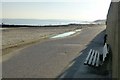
14,38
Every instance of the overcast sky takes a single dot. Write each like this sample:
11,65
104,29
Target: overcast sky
50,9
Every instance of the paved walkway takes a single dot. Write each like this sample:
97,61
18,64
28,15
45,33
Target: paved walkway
79,70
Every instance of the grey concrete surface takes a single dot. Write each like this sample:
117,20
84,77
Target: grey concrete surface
79,70
56,57
113,21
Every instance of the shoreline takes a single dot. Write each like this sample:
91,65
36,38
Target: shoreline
27,26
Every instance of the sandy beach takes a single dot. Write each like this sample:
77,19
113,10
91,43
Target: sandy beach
13,38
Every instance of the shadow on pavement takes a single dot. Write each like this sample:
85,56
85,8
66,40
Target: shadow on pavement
79,70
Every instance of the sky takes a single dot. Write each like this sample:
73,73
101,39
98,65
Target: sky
87,10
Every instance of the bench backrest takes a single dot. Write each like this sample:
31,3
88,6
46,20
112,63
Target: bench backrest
105,51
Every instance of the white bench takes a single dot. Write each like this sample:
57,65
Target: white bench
94,58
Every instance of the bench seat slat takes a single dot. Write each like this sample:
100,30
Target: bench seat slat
97,61
91,57
86,61
95,57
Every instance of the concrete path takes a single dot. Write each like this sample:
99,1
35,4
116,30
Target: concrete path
79,70
55,57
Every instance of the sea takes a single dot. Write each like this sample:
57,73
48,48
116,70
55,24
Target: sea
41,22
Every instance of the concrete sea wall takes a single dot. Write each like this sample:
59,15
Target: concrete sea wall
113,21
